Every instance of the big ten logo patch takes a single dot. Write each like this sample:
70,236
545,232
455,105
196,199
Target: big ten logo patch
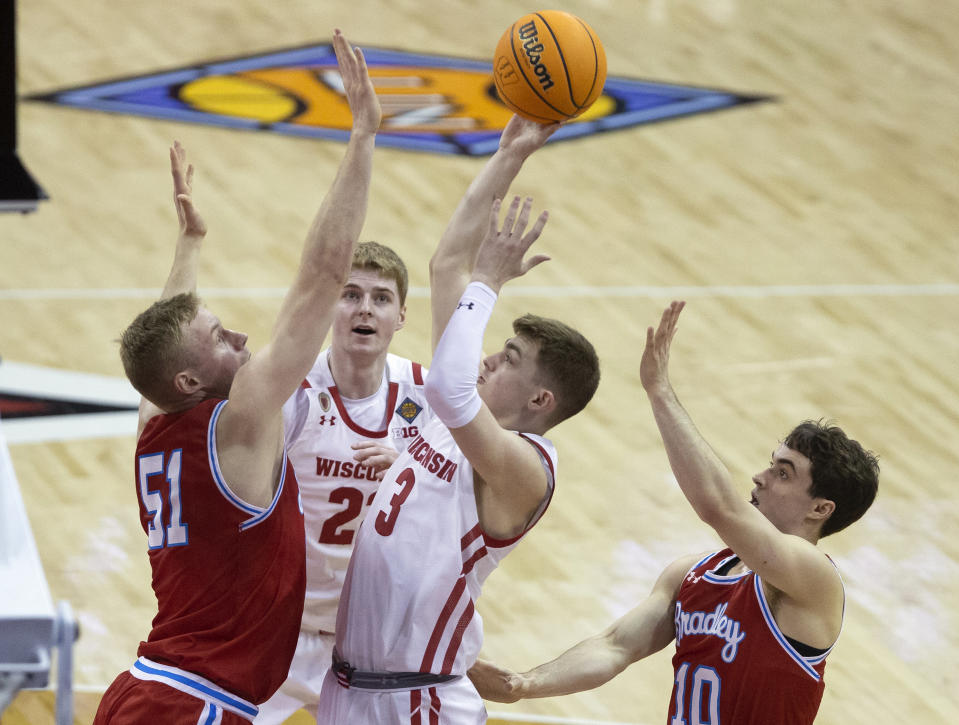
430,103
406,431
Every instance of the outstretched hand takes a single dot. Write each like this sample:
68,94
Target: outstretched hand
500,257
360,95
191,223
654,367
523,137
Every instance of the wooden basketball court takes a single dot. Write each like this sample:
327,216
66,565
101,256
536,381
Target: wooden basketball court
815,237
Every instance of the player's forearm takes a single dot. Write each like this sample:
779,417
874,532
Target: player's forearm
587,665
467,226
451,384
306,313
339,221
703,478
183,273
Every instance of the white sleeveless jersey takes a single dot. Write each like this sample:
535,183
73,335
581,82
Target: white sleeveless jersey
336,490
420,560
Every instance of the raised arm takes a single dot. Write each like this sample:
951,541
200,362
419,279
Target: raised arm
183,273
642,631
787,562
186,257
263,384
452,264
511,480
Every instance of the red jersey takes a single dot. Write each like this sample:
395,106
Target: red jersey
229,577
732,664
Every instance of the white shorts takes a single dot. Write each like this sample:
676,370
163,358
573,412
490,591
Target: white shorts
449,703
301,689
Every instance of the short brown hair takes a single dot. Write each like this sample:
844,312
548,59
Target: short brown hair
566,359
150,347
383,260
842,471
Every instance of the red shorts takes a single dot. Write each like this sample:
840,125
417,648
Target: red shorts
130,701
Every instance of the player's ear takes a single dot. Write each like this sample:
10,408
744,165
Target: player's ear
401,319
822,509
185,383
543,402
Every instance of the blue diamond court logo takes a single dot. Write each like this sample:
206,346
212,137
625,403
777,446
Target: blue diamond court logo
430,103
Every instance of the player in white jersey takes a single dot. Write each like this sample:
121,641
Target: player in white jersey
356,408
468,487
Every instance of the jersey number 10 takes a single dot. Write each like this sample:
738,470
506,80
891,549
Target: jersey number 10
703,678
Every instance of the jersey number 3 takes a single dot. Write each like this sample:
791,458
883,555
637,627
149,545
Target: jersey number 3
385,522
174,533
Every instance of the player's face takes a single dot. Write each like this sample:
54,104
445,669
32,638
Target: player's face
214,353
367,315
507,380
782,490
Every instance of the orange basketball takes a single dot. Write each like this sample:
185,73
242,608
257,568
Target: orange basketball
549,66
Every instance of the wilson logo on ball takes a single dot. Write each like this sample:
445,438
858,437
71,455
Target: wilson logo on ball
549,66
534,54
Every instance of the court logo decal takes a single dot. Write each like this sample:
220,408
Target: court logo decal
47,404
430,103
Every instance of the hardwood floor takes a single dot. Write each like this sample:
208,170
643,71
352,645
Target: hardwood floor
814,237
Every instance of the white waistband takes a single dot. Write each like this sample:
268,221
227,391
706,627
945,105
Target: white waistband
199,687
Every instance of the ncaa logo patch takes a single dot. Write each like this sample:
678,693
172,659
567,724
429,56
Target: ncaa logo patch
430,103
408,410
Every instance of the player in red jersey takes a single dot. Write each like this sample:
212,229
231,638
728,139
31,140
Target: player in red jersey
218,499
752,623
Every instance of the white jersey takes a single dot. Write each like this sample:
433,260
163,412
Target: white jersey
420,561
336,490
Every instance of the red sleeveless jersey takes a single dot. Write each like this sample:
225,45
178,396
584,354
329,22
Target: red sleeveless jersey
229,577
732,664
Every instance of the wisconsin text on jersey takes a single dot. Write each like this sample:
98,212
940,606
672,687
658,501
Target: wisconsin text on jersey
430,103
431,460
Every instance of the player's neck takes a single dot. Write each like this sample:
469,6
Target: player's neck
357,378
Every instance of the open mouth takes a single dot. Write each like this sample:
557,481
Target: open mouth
754,501
364,331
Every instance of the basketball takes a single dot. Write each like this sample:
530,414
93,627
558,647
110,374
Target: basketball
549,66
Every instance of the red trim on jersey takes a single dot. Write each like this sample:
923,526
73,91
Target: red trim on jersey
434,707
415,707
542,453
305,384
470,536
417,373
471,562
434,643
499,543
390,405
457,638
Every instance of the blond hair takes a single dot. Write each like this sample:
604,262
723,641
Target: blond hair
384,261
151,347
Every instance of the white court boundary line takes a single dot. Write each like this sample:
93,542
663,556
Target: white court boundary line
599,292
